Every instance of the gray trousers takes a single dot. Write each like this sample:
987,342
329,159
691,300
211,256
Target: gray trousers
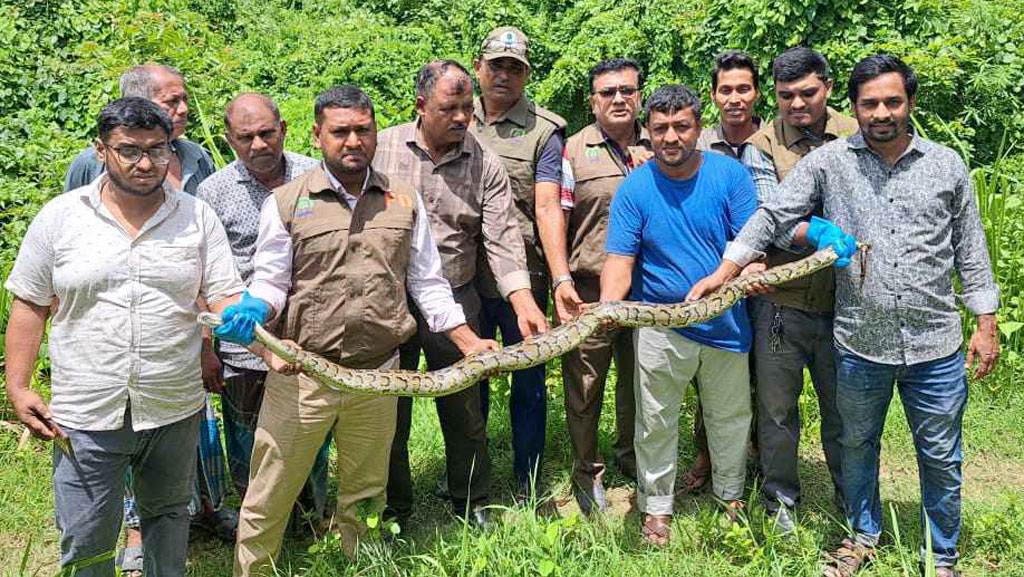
89,494
798,339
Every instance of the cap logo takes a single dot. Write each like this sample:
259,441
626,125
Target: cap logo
508,39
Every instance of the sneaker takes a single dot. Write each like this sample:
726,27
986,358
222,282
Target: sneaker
782,522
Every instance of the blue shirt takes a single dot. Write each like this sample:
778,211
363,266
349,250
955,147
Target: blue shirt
677,231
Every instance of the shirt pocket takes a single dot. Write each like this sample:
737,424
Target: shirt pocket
173,269
317,248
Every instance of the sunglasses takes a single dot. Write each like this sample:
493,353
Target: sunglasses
610,92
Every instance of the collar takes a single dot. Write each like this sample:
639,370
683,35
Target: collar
917,143
336,186
415,138
595,135
719,133
245,176
791,135
518,114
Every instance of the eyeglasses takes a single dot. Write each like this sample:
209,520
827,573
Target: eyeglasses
131,154
625,91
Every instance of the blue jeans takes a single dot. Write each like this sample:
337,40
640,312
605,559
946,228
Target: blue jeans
934,396
528,405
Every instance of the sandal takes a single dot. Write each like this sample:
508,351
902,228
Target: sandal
222,524
656,530
129,560
733,510
847,559
694,480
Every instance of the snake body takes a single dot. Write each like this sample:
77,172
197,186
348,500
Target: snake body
534,350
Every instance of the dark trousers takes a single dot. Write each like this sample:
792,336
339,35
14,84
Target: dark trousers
468,465
528,402
785,341
584,372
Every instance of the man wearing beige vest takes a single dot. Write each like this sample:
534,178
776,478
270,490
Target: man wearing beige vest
596,160
339,250
529,140
470,210
793,325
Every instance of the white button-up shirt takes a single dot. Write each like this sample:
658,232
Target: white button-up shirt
124,329
272,264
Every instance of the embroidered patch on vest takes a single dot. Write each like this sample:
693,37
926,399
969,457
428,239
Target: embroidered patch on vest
403,200
303,206
593,155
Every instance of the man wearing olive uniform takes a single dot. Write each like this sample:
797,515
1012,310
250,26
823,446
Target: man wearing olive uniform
529,140
596,161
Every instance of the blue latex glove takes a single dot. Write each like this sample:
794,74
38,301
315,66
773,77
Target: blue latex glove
822,233
240,320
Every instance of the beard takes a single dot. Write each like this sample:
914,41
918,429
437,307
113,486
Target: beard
127,186
684,155
886,132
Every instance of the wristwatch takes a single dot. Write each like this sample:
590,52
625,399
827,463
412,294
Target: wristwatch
560,280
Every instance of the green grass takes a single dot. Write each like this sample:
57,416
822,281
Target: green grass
560,542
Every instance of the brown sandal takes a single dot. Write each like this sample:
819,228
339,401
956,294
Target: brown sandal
694,480
733,509
656,530
849,557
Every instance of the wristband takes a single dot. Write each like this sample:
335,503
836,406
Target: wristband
562,279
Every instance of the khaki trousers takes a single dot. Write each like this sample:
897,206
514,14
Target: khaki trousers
296,416
584,373
666,362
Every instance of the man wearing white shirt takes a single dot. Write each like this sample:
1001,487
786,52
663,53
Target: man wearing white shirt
339,250
124,258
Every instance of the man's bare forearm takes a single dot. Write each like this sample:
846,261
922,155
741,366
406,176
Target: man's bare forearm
25,329
616,277
551,223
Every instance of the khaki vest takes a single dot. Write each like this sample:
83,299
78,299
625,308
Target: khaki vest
348,299
786,145
598,173
518,139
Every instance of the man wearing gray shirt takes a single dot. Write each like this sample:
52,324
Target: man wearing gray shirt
912,202
254,129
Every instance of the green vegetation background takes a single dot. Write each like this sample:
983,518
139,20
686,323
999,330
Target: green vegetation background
59,64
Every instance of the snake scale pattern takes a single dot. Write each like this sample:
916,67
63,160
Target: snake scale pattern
534,350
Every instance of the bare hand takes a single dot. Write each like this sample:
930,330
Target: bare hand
704,287
277,364
212,368
479,346
567,302
984,347
32,411
529,317
756,288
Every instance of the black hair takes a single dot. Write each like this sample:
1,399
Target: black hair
669,98
797,62
427,77
132,112
342,96
731,60
614,65
874,66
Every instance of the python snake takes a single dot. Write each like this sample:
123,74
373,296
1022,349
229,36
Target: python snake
534,350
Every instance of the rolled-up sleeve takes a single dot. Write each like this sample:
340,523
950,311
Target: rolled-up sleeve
970,252
502,239
220,277
31,279
426,283
272,262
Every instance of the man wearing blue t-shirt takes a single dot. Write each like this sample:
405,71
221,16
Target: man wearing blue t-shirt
668,228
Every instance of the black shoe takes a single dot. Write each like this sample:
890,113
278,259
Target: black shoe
592,500
441,490
627,467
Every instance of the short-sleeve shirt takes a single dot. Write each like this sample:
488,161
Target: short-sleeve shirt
124,328
677,230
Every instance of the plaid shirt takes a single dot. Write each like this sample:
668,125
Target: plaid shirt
920,218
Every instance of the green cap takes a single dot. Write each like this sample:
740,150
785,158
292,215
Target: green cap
506,42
